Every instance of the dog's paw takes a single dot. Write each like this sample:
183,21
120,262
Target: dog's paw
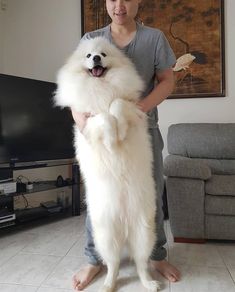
101,128
152,286
117,109
109,132
122,128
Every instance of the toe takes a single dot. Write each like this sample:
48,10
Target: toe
80,286
172,279
75,282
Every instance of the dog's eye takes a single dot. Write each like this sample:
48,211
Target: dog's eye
88,56
103,54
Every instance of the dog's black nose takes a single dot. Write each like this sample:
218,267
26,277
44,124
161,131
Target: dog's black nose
96,58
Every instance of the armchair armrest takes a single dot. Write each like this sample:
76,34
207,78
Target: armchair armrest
179,166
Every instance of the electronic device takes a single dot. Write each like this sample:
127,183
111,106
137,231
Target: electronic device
7,187
7,218
52,206
31,127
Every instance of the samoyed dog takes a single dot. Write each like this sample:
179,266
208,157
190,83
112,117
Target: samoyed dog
114,153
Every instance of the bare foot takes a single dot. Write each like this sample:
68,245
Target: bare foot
166,269
85,276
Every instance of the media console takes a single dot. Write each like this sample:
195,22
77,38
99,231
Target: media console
10,216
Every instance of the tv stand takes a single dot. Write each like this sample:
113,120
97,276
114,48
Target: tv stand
28,214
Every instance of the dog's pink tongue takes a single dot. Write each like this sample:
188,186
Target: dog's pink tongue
97,72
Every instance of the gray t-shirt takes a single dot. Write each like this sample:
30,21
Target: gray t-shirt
150,52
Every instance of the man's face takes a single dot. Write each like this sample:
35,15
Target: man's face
122,11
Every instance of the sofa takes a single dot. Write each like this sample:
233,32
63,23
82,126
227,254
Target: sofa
200,181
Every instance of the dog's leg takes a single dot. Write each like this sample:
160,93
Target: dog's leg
110,253
102,127
108,244
110,280
145,278
127,114
117,109
144,238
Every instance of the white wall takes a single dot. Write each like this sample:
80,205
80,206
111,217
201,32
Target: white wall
206,109
38,36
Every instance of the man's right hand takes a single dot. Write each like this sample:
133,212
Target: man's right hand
80,119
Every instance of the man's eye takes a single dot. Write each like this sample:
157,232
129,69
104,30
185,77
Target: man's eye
103,54
88,56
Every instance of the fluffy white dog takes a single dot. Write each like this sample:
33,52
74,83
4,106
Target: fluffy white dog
114,152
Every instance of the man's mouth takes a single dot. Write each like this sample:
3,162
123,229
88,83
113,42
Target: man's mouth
97,71
120,13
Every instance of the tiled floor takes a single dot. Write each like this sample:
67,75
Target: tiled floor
44,257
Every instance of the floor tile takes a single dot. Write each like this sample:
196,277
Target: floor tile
17,288
27,269
78,248
204,279
227,252
50,289
195,255
12,243
52,243
232,272
61,277
69,225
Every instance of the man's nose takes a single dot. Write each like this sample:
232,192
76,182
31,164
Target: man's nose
119,3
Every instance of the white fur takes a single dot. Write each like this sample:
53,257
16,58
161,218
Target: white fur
115,156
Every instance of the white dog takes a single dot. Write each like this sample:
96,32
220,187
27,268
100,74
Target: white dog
114,152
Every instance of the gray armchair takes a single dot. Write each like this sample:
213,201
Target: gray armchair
200,181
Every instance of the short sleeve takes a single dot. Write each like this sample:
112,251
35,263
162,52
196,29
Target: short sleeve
164,55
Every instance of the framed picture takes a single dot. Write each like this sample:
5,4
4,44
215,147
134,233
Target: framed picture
195,31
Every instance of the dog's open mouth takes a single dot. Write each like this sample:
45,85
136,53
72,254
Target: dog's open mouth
97,71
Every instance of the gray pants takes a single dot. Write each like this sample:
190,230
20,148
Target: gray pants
159,252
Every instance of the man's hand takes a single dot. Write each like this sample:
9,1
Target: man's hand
80,119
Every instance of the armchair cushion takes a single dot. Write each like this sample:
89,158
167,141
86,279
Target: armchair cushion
207,140
178,166
220,205
222,166
221,185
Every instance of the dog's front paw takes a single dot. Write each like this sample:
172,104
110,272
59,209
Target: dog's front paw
106,289
152,286
117,109
122,128
109,132
101,128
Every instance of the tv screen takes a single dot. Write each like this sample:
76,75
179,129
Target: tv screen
31,127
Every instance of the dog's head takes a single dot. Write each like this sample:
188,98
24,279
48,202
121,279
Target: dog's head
98,56
96,74
96,63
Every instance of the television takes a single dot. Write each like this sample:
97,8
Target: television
32,129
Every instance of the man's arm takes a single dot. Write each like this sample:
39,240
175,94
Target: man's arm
80,119
166,83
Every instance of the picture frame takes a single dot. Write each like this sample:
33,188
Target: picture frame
195,31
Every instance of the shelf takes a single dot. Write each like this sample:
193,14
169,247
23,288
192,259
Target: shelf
29,214
38,187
